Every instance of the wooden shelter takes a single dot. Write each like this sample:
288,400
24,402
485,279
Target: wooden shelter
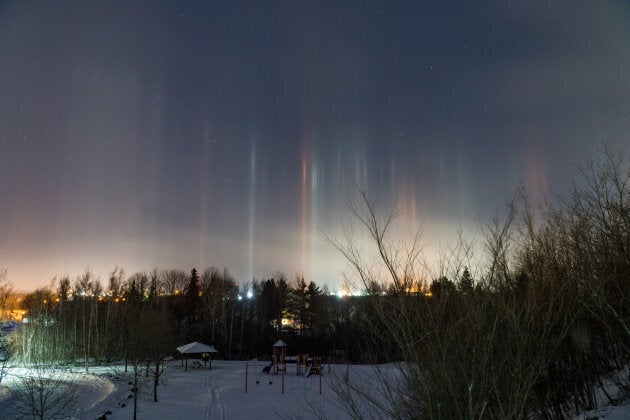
198,349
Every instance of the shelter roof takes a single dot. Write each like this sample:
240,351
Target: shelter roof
196,347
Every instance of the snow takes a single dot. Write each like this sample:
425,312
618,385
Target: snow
196,347
608,412
621,412
210,394
220,393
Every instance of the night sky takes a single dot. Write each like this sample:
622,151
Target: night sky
177,134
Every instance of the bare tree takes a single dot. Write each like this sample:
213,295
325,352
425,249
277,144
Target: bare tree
6,288
5,361
174,281
399,260
42,393
31,343
151,338
159,341
84,293
135,356
472,353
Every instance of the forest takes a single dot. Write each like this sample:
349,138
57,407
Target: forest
537,327
82,319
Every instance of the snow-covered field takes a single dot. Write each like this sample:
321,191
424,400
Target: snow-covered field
210,394
220,393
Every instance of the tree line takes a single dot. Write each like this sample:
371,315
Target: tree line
84,320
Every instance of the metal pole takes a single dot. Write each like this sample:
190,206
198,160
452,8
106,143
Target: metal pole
246,372
320,381
283,371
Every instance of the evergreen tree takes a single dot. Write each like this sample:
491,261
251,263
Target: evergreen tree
193,285
466,282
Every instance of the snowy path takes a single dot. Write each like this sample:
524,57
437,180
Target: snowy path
91,390
215,408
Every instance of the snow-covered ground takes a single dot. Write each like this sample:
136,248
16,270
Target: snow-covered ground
608,412
621,412
220,393
211,394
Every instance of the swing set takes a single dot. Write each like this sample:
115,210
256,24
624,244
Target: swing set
305,367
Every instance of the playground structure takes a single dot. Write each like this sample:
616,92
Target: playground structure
279,356
307,367
304,367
